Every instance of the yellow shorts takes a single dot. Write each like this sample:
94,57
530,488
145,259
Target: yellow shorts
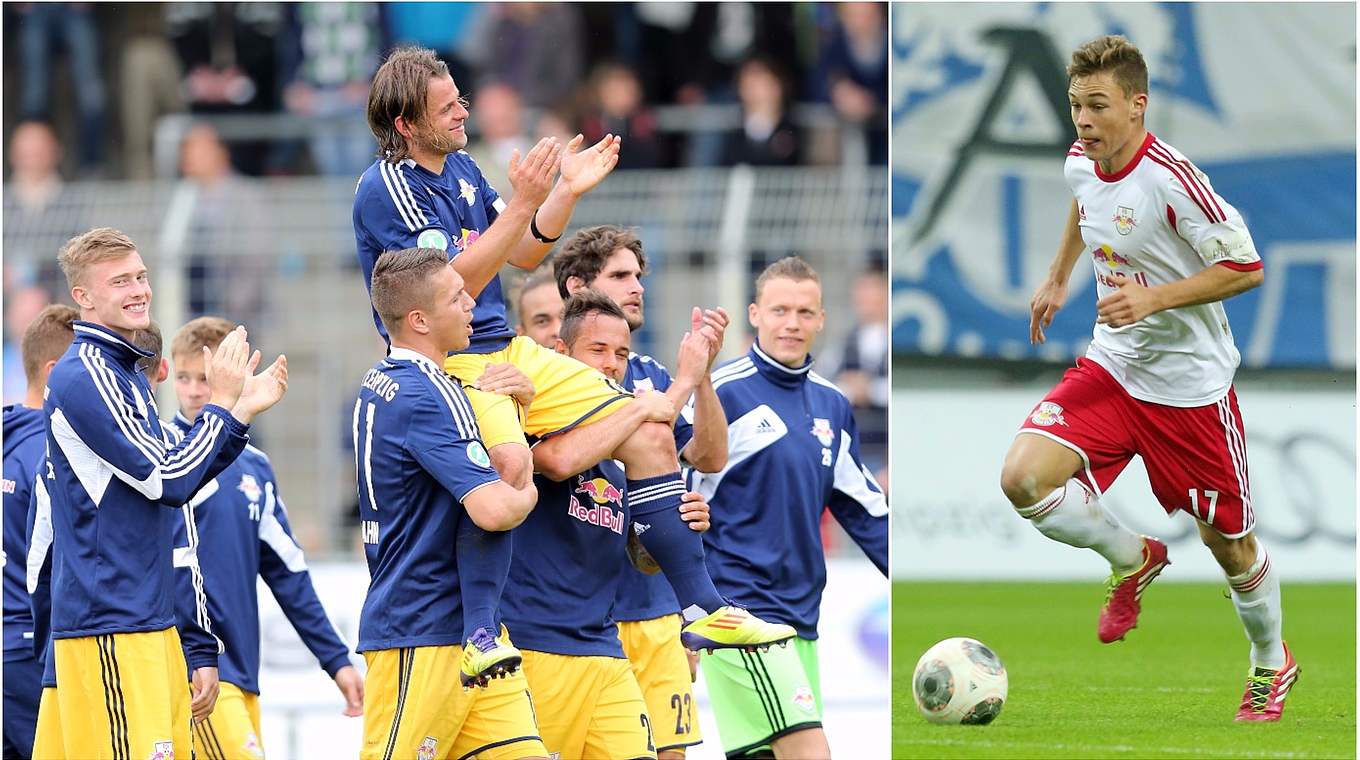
415,707
123,695
233,729
47,742
662,670
567,393
589,707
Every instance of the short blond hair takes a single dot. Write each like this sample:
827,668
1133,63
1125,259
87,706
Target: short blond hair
789,268
87,249
46,338
198,334
1115,54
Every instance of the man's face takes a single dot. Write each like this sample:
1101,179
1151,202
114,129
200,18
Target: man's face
450,316
621,280
540,314
787,316
1105,118
603,342
191,384
116,293
442,131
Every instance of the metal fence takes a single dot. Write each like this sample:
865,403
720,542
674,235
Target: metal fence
278,256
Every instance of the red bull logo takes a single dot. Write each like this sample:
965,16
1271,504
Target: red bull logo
602,493
1109,257
163,751
1048,413
1123,220
469,237
427,749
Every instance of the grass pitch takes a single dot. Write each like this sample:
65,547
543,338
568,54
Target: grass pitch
1170,689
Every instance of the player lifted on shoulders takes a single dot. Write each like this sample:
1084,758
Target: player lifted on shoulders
1156,380
425,190
795,454
610,259
422,470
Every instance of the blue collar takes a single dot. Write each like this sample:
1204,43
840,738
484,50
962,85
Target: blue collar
89,332
777,373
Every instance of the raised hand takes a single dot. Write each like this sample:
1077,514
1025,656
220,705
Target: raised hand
694,357
582,170
532,178
656,406
263,390
714,324
227,368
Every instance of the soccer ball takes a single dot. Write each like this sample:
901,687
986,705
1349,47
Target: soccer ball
959,681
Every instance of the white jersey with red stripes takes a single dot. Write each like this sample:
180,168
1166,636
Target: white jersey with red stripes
1159,220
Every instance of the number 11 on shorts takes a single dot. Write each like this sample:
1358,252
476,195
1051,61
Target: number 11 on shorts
1212,496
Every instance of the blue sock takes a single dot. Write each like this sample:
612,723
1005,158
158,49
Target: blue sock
654,508
483,565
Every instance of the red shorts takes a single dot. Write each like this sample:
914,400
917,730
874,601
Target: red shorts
1196,457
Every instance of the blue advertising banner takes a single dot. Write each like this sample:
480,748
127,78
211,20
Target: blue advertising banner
1260,96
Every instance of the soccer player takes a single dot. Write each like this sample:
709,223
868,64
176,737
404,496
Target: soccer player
242,532
540,308
44,341
569,559
1156,380
425,190
796,453
611,260
422,470
119,664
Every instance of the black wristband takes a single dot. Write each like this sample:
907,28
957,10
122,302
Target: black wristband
538,234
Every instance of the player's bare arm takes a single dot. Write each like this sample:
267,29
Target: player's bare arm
1133,302
507,380
1052,293
582,170
531,180
563,456
500,506
707,450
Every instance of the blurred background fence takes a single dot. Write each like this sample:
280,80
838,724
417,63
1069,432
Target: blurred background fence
1262,98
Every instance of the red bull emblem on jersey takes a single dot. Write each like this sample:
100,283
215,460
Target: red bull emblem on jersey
1109,257
1048,413
466,191
803,700
163,751
469,237
250,487
426,750
1123,220
822,429
602,493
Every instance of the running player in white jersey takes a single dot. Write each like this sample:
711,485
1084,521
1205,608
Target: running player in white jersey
1157,378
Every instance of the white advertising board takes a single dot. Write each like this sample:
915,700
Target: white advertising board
300,706
951,521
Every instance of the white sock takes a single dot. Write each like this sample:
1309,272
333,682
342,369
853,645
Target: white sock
1074,516
1256,595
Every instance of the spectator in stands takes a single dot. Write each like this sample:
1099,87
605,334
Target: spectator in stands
766,136
22,304
498,116
228,52
862,372
328,56
853,72
41,27
150,84
226,257
40,213
616,107
536,48
445,28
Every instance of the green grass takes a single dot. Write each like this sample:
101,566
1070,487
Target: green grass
1170,689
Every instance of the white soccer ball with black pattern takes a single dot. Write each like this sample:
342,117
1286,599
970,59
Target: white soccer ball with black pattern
960,680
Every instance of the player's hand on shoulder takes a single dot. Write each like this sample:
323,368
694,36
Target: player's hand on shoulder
582,170
694,510
351,686
506,379
656,406
204,698
1050,297
532,178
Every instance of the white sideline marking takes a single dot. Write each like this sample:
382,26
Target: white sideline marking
1087,749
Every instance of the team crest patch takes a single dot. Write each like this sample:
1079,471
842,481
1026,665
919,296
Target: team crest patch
250,487
803,700
1123,220
821,428
477,453
432,239
1048,413
253,745
163,751
466,191
427,748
